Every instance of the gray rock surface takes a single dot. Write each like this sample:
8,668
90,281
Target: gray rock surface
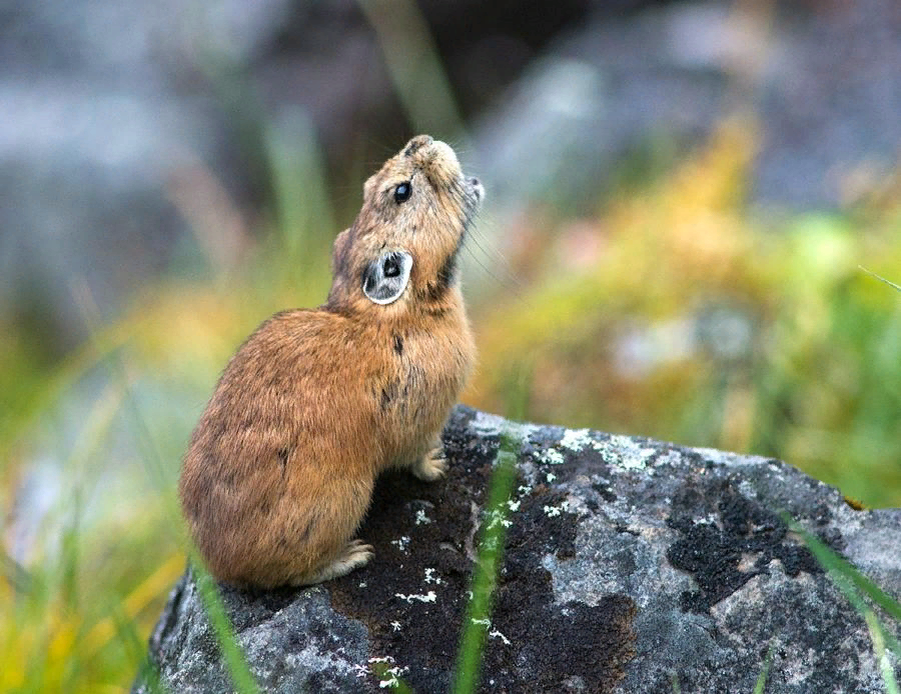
627,562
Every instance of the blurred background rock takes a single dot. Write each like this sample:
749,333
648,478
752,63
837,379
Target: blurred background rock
679,196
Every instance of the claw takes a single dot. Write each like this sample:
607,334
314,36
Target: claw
433,465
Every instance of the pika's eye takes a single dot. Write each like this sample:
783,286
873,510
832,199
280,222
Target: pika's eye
402,192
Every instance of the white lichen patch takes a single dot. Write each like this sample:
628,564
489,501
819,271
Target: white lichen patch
669,458
402,543
395,625
550,456
513,505
495,633
729,459
497,517
550,477
421,518
486,424
430,577
431,596
389,677
576,439
624,452
360,670
553,511
621,451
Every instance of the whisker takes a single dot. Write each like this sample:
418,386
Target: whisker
496,257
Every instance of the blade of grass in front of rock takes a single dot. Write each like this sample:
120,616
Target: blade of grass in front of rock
137,650
491,548
760,686
232,654
477,618
855,587
878,634
389,679
847,576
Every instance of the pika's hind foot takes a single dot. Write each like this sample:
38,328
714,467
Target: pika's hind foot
432,466
354,555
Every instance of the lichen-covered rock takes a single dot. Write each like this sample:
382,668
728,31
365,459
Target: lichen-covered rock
628,563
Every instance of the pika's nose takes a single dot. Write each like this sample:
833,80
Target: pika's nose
476,188
417,142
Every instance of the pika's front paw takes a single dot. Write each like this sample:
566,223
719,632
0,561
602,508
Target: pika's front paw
432,466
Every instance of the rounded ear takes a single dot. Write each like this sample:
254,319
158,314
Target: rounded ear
339,251
385,278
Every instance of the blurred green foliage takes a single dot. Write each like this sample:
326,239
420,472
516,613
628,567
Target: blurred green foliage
674,311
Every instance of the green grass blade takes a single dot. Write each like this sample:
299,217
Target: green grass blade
849,574
880,278
854,585
225,633
414,65
148,672
760,686
491,549
491,544
878,634
206,587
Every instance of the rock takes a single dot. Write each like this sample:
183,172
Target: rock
627,562
821,77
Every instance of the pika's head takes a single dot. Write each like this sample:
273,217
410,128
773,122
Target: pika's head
402,248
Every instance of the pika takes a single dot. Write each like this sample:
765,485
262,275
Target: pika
316,403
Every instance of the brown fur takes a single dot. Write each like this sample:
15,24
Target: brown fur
282,463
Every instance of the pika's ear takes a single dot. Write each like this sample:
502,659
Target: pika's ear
339,251
385,278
